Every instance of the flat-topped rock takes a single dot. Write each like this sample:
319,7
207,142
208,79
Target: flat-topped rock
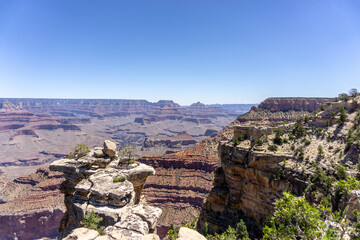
110,189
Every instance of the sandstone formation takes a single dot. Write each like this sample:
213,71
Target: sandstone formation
110,187
251,176
184,178
28,139
89,234
292,104
189,234
35,132
31,207
180,142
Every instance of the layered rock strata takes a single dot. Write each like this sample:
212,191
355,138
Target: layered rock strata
253,171
184,178
111,188
31,207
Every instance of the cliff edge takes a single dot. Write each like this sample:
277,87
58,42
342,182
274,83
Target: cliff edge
100,183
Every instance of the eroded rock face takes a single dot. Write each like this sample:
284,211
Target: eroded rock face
111,189
189,234
251,176
184,178
88,234
31,207
292,104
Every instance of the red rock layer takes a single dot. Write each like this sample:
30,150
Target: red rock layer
31,207
183,179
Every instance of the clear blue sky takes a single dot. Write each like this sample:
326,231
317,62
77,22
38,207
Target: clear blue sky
184,50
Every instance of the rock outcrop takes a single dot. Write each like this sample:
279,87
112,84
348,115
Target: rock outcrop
31,207
254,170
184,178
111,188
292,104
189,234
178,143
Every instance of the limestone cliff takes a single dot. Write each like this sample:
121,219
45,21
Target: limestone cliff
183,179
31,207
256,167
110,187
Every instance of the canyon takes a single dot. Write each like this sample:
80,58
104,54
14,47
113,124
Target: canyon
35,132
252,174
183,179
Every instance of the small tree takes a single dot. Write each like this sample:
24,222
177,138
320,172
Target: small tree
343,115
353,92
294,218
343,97
92,221
278,133
128,152
80,150
299,130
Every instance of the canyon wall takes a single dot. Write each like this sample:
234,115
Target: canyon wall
252,173
183,179
31,207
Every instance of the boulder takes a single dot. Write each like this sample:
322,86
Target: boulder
110,148
189,234
151,237
82,234
99,152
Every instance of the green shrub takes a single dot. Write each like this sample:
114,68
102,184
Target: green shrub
343,97
345,186
80,150
353,92
119,179
328,123
173,232
299,130
300,152
278,132
292,147
259,142
319,130
273,148
291,136
278,140
340,171
240,232
127,152
306,119
236,141
321,151
342,115
294,218
320,179
92,221
307,142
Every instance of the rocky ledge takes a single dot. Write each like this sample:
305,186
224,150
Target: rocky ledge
102,183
